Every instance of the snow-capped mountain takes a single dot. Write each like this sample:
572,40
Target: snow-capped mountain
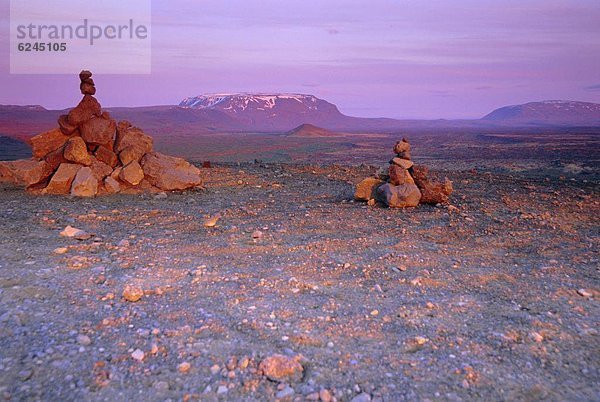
551,112
268,111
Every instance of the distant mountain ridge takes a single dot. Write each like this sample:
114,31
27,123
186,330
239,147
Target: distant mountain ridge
552,112
280,113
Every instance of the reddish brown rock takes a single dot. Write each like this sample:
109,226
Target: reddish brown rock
84,111
43,144
170,173
132,173
103,154
76,151
132,136
100,169
403,163
99,131
61,181
132,153
404,155
65,127
85,74
433,191
281,368
404,195
87,86
6,174
85,183
55,158
132,293
111,185
367,189
25,172
402,146
399,175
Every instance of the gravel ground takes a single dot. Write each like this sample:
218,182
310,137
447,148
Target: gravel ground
494,298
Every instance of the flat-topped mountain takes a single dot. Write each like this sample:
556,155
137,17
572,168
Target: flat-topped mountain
554,112
269,111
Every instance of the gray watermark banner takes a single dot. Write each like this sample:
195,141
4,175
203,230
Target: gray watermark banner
65,36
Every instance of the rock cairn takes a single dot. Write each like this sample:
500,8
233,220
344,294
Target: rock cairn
401,183
91,154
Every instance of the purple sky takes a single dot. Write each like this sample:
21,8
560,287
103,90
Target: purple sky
403,59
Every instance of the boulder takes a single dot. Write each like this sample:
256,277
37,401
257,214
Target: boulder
100,169
61,181
404,195
6,174
25,172
367,189
55,158
43,144
99,131
65,127
76,151
103,154
432,191
403,163
132,153
85,183
86,109
170,173
132,173
399,175
111,185
132,136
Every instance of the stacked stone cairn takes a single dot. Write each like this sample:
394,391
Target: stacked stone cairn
91,154
401,183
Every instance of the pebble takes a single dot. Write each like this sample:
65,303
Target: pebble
161,386
211,222
25,375
184,367
536,337
215,369
364,397
257,234
325,395
84,340
584,293
222,390
312,397
284,393
132,293
60,250
138,355
421,340
70,231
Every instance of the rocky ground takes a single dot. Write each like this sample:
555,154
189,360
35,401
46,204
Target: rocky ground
492,298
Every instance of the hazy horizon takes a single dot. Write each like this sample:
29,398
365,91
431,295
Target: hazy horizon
422,60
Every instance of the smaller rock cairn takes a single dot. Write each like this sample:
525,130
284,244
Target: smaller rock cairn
90,154
401,183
